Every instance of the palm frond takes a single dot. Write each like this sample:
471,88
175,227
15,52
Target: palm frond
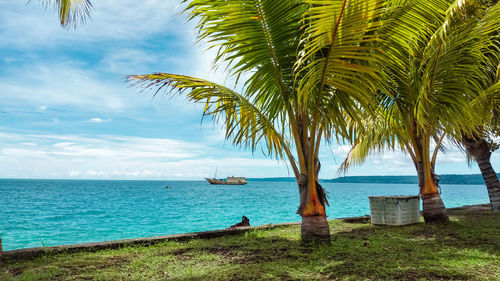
339,49
410,24
254,36
456,64
245,124
374,133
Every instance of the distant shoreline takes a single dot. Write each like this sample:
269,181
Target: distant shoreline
470,179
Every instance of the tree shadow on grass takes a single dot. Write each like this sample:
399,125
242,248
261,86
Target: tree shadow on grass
464,249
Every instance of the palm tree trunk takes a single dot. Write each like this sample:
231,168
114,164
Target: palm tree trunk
479,149
315,229
433,207
491,181
314,225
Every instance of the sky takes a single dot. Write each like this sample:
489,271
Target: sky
66,111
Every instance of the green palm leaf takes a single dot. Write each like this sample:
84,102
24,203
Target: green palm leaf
245,124
339,49
256,36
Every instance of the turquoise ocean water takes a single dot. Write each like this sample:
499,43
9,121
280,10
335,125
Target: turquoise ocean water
35,213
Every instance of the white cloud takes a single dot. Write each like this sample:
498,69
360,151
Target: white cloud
9,60
124,157
129,61
28,143
61,85
63,144
94,173
132,19
99,120
23,153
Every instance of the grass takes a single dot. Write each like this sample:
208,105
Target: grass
465,249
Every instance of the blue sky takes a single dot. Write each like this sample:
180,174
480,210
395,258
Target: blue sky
67,112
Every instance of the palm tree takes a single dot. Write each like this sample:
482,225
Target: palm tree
71,12
310,64
480,144
480,149
438,69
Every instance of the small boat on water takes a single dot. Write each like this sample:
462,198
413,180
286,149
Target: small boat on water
228,181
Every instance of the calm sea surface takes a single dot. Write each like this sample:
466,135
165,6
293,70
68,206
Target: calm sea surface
35,213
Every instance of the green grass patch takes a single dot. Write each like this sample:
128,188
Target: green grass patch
465,249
